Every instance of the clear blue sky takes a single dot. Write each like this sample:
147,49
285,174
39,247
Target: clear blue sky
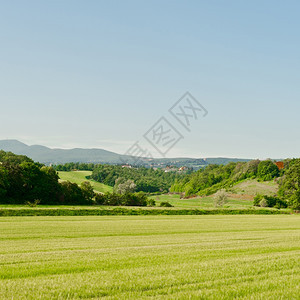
100,73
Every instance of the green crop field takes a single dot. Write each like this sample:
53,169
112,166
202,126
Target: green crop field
155,257
80,176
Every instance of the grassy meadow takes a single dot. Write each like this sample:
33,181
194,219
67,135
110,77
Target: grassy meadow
201,202
246,190
150,257
80,176
254,187
206,203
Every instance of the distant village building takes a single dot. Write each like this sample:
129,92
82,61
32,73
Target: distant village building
127,166
170,169
181,169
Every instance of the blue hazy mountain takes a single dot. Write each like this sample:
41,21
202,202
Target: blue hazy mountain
47,155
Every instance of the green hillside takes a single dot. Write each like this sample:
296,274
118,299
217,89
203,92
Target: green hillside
254,187
80,176
202,202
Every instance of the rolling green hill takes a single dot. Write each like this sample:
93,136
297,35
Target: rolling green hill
80,176
254,187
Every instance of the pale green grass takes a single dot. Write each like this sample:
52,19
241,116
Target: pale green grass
193,203
200,202
253,187
80,176
163,257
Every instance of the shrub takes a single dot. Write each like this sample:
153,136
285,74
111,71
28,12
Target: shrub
220,198
34,203
269,201
99,198
123,186
281,204
129,211
136,199
165,204
128,199
72,194
257,199
263,203
87,190
151,202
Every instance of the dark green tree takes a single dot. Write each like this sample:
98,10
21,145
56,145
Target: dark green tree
290,185
267,170
87,191
72,194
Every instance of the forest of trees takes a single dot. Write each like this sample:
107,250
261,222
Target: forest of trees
209,180
75,166
24,181
146,179
214,177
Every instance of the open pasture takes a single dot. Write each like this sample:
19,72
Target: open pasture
80,176
155,257
201,202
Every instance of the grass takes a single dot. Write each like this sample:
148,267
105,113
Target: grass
80,176
201,202
150,257
198,205
254,187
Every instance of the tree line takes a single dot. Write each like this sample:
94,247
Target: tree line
23,181
209,180
75,166
146,180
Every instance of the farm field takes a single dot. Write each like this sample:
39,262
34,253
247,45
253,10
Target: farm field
80,176
155,257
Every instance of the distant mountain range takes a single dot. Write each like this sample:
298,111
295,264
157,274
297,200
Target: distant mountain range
48,156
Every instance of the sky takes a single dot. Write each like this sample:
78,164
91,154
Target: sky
100,74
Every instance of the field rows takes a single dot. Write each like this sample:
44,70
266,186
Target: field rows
163,257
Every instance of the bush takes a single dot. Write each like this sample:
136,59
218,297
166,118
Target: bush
136,199
269,201
123,186
129,211
72,194
100,198
165,204
220,198
34,203
128,199
87,190
263,203
257,199
281,203
151,202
